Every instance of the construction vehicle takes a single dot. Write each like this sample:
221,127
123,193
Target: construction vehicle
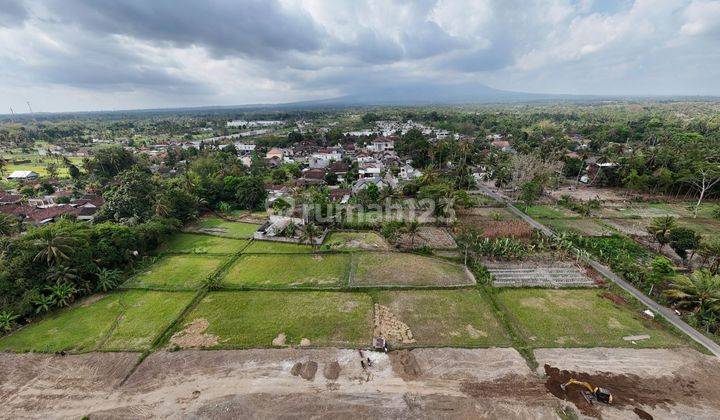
591,393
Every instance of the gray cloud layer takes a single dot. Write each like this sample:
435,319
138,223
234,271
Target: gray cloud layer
133,53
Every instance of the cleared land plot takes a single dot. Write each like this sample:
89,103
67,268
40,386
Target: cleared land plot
270,247
443,318
202,244
254,319
636,227
177,272
539,276
299,270
398,269
485,213
128,320
429,236
356,240
586,227
579,318
227,228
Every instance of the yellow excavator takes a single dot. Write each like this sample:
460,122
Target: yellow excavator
591,393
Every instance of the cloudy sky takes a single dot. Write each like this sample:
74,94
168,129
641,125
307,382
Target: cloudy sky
118,54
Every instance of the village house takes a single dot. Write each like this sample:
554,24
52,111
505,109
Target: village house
275,152
23,176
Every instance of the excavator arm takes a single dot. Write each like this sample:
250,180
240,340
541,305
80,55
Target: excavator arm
593,392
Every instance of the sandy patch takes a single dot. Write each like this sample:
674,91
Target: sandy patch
193,336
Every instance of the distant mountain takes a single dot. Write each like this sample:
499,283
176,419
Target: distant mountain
434,94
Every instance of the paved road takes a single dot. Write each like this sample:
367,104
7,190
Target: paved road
666,313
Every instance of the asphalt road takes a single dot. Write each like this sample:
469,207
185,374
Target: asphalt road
666,313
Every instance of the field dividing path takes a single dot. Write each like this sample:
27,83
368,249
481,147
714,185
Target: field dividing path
666,313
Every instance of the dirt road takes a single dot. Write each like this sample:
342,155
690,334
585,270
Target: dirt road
424,383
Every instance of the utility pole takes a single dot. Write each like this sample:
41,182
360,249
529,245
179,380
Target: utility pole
29,107
12,113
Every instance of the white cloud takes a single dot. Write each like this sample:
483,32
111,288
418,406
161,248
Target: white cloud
84,54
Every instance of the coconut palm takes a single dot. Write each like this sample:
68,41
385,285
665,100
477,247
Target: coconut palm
699,292
660,227
412,228
8,224
308,233
54,247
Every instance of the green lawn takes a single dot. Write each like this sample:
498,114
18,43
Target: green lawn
222,227
177,272
271,247
299,270
579,318
399,269
584,226
254,319
129,320
460,318
547,211
202,244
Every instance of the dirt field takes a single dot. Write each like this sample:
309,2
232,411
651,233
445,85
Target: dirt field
428,236
423,383
663,383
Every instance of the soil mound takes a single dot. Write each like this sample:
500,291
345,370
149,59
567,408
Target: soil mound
405,364
308,370
332,370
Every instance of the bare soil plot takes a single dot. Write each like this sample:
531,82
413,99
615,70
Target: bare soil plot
632,227
202,244
485,213
703,225
585,227
128,320
456,318
580,318
450,383
177,272
270,247
295,270
217,226
399,269
586,193
428,236
36,385
662,383
364,240
559,274
257,319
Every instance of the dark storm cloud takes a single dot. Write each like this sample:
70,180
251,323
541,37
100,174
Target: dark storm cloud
253,28
12,13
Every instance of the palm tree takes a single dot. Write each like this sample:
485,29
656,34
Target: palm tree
412,228
660,228
699,292
55,247
62,274
8,224
308,234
